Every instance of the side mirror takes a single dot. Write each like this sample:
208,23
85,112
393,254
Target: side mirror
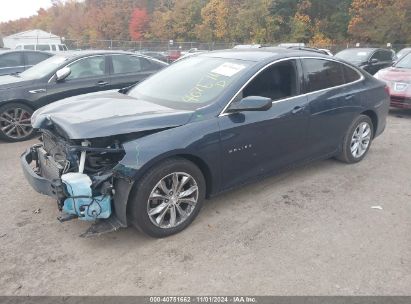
251,103
63,73
374,61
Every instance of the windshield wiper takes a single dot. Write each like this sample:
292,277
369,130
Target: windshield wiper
15,74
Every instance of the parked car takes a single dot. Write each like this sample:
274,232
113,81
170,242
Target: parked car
326,51
199,127
63,75
18,61
403,52
370,59
172,55
398,79
191,53
52,47
156,55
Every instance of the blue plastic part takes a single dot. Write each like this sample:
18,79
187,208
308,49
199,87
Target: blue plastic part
81,202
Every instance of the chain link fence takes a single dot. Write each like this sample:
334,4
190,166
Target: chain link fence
163,46
153,46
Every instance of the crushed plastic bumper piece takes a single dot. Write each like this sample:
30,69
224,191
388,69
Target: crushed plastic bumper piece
80,201
103,226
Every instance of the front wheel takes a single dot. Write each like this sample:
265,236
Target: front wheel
168,198
357,141
15,122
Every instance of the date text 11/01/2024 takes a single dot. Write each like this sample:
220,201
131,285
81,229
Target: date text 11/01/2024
203,299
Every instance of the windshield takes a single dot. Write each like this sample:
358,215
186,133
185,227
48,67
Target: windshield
190,83
404,63
44,68
354,55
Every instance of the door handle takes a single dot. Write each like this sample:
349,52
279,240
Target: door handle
37,91
297,109
102,83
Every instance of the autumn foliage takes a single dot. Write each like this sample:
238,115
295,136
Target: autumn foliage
319,22
138,23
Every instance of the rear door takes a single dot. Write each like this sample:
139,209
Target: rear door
333,98
32,58
12,62
127,70
89,74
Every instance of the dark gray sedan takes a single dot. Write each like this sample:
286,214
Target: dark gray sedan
64,75
12,62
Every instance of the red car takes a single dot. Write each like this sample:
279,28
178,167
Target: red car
398,79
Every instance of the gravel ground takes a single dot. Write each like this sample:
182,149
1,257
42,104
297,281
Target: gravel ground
310,231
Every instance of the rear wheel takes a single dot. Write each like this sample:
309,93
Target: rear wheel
168,198
15,122
357,141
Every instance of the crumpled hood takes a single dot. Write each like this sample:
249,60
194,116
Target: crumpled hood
105,114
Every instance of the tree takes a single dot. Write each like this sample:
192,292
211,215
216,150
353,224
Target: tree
377,21
138,23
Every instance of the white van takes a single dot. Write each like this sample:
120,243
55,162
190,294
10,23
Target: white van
52,47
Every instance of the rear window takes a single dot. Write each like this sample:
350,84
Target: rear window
322,74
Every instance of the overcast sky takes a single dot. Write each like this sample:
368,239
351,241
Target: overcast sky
15,9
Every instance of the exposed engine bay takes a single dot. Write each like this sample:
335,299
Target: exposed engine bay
81,173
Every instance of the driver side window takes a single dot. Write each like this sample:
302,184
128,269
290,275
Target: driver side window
278,81
87,67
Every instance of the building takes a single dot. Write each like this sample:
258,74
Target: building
30,37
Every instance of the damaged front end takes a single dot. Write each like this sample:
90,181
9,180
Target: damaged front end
79,175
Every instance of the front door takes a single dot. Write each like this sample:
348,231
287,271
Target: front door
256,143
87,75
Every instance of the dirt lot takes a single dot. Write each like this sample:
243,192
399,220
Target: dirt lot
311,231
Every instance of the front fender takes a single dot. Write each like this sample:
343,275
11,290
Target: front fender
198,140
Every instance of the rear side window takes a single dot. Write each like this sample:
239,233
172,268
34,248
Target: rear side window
10,60
29,47
34,58
322,74
61,47
350,74
53,47
123,64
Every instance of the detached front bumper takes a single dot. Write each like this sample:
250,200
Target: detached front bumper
51,185
39,183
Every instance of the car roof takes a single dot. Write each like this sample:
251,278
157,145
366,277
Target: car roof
366,49
24,51
79,54
261,54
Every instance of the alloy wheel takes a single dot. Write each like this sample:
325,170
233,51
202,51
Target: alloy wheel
361,139
15,123
172,200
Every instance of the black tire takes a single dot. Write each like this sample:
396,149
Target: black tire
346,155
14,136
139,197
